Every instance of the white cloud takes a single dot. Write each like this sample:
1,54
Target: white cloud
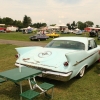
52,11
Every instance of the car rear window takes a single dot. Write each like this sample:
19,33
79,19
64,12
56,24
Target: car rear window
66,44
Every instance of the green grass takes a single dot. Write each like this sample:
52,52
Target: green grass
15,36
86,88
25,37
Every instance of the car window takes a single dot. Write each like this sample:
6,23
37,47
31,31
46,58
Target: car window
66,44
53,44
91,44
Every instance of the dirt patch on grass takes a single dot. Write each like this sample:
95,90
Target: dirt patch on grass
22,43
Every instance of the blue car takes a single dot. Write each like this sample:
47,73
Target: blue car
39,37
78,32
61,59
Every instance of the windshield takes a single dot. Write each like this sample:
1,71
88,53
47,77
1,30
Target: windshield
66,44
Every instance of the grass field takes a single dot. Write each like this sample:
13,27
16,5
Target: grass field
25,37
86,88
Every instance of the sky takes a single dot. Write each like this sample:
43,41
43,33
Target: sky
52,11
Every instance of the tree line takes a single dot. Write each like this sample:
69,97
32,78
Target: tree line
80,25
21,24
27,21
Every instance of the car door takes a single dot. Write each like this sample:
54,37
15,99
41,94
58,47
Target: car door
93,52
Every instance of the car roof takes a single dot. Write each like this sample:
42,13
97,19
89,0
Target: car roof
80,39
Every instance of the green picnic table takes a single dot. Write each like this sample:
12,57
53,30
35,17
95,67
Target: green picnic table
19,74
16,75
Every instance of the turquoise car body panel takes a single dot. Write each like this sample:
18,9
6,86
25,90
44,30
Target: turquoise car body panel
51,60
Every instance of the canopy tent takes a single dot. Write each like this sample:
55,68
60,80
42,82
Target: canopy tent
77,29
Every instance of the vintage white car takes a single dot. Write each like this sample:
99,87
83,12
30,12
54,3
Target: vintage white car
61,59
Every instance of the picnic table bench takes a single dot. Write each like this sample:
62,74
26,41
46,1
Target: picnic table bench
31,94
16,75
2,80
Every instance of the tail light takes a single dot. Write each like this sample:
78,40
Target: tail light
17,55
65,63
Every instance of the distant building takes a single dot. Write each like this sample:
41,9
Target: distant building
12,28
2,25
60,27
88,29
2,29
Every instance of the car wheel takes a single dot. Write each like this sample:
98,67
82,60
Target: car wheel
81,73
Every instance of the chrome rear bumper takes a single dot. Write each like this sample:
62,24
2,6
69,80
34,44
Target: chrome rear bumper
57,75
61,76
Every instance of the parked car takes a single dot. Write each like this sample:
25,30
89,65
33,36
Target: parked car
53,34
66,32
39,37
98,37
93,33
79,32
61,59
3,31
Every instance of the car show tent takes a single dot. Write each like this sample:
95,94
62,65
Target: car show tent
88,29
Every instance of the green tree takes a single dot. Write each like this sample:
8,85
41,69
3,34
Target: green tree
38,25
1,21
43,24
69,26
26,21
89,23
81,25
97,26
73,25
14,22
19,24
53,25
7,21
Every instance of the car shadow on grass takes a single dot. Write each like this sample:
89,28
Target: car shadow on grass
97,70
58,84
67,84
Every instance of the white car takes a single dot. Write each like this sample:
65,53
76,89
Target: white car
78,32
61,59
